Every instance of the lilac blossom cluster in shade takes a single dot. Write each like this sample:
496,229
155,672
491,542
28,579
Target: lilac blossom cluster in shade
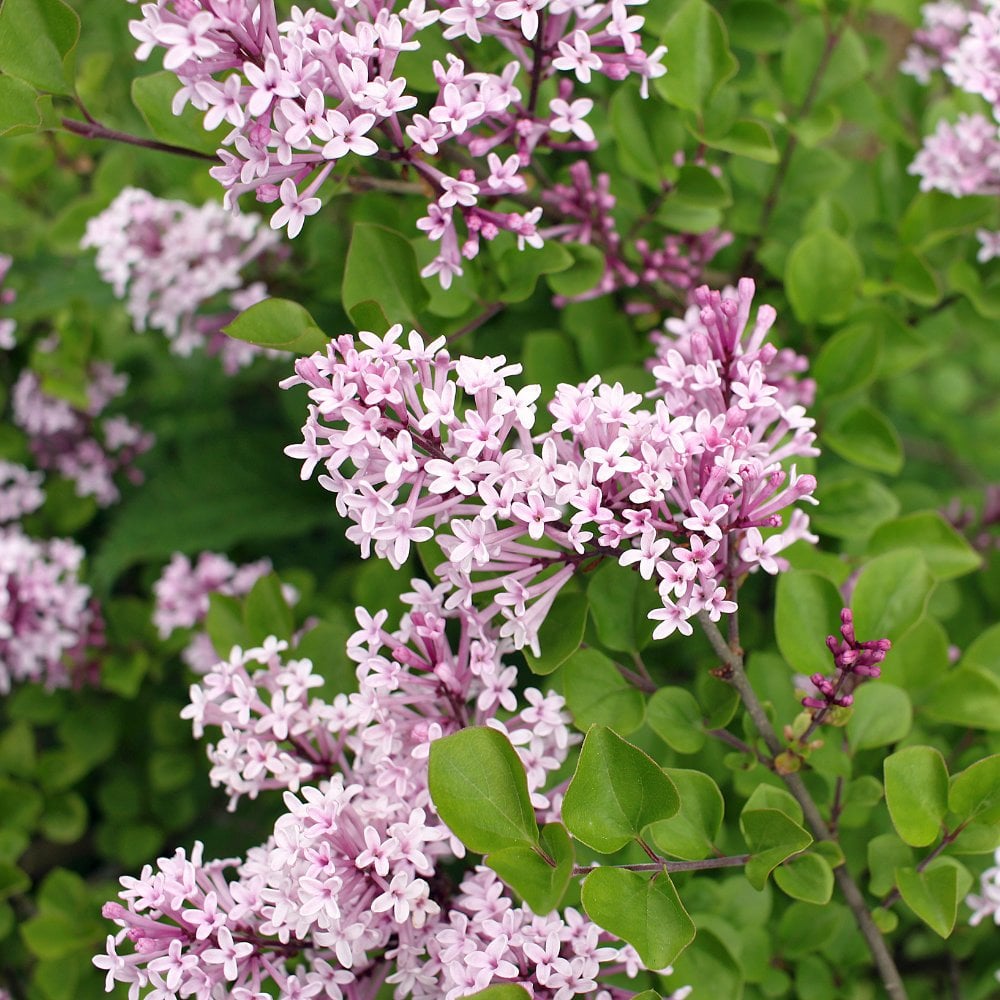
21,491
49,623
585,208
854,662
7,296
86,445
320,91
416,445
347,894
181,598
179,268
961,158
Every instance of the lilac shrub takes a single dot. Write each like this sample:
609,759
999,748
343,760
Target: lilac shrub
348,893
82,444
49,622
174,262
416,445
7,296
321,91
182,593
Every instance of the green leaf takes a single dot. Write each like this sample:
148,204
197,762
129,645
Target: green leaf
13,881
538,883
675,716
18,107
325,646
758,25
975,792
916,792
772,836
914,278
862,435
610,590
932,894
480,790
381,267
772,797
646,135
891,594
596,692
37,42
549,358
279,324
984,650
153,95
700,60
519,270
808,877
561,633
886,853
881,715
852,505
266,612
947,553
698,186
807,610
968,696
218,492
934,216
65,818
709,965
616,791
849,359
645,912
690,834
584,273
746,138
224,624
822,276
507,992
802,57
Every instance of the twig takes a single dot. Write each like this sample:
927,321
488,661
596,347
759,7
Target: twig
736,675
95,130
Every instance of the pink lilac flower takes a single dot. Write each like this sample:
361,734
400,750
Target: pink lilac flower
48,619
87,446
987,902
705,469
961,158
182,597
322,92
7,296
347,891
937,38
20,491
180,269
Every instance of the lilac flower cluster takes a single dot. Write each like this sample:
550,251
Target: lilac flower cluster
854,662
20,491
83,445
987,903
346,894
320,91
586,208
181,598
48,621
962,158
416,445
174,261
7,296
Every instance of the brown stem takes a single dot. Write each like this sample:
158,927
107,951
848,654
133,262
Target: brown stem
725,736
736,675
94,130
474,324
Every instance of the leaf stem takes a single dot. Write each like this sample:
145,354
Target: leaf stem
733,861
